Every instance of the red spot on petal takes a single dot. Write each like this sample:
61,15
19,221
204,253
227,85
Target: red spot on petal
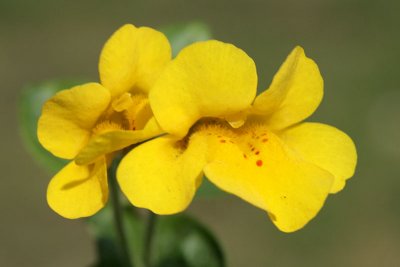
222,141
245,156
259,163
265,140
253,149
257,152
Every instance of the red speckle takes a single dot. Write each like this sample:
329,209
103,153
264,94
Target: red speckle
222,141
265,140
245,156
259,163
257,152
253,149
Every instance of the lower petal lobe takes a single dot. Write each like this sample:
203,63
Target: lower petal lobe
162,174
326,147
78,191
254,164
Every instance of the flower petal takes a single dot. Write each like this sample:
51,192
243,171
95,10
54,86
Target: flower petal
255,165
78,191
115,140
207,79
161,175
68,117
326,147
132,59
295,92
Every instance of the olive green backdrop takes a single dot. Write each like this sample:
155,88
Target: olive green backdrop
356,45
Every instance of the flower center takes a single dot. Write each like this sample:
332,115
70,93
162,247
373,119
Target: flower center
106,126
250,138
127,112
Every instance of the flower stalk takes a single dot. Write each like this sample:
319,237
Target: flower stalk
149,235
118,217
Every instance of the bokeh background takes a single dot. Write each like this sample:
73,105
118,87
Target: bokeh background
356,45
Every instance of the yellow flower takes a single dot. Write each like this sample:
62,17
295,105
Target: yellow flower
87,123
255,148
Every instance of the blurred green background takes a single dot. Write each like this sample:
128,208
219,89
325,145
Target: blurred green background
356,45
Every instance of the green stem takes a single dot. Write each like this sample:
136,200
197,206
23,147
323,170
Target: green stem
149,235
118,217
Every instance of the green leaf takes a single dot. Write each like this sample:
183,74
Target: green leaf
181,241
181,35
30,105
107,253
101,227
178,241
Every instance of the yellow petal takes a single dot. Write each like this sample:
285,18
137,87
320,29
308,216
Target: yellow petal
132,59
115,140
78,191
255,165
68,117
161,175
295,92
207,79
326,147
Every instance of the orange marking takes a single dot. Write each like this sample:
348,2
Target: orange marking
257,152
265,140
245,156
222,141
259,163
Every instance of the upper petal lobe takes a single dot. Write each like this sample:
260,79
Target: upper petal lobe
207,79
68,118
294,94
132,59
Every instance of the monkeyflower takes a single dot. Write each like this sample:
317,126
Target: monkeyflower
257,148
89,122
